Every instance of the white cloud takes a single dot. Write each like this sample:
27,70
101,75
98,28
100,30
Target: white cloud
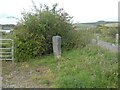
82,10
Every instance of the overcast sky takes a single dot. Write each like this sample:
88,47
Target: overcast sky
81,10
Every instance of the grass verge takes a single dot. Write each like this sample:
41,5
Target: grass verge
88,67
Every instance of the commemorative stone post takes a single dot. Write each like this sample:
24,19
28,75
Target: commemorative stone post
56,46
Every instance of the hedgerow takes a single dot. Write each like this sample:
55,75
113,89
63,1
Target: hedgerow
33,34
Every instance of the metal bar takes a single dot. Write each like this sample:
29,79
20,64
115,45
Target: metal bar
5,52
7,57
0,65
6,39
12,51
4,43
5,48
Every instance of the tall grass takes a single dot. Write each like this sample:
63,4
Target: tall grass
82,37
88,67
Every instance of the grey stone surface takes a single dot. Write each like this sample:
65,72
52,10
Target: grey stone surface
97,38
109,46
56,46
93,41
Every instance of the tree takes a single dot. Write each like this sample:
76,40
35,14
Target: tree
33,35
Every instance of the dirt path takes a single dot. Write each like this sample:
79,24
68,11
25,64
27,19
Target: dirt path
21,76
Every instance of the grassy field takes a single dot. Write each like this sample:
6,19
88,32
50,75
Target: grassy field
88,67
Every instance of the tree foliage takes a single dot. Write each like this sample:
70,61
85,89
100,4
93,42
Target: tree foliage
33,35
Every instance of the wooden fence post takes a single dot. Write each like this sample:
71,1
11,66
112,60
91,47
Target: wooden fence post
117,37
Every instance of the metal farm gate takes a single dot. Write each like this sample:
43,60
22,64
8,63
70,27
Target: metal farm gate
6,49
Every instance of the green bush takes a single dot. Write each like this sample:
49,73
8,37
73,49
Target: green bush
82,38
112,32
33,35
107,31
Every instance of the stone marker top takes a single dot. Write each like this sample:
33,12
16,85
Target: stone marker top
57,36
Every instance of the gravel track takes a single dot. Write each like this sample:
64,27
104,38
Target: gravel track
109,46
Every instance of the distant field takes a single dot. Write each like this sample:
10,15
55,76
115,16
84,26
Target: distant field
112,25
